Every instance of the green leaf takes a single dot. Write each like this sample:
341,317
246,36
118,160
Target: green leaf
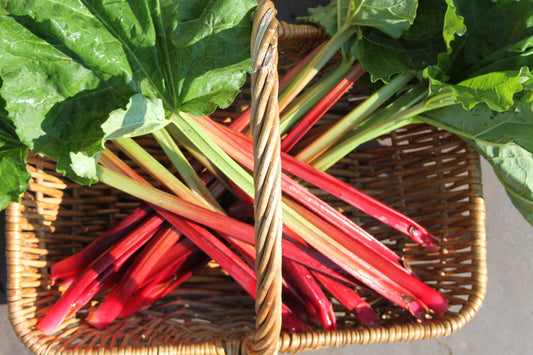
13,154
72,129
490,62
419,47
392,17
497,89
483,124
66,65
53,80
35,77
327,16
68,27
207,43
514,166
141,116
498,37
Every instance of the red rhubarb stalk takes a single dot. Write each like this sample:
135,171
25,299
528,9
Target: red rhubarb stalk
305,124
359,268
106,280
229,226
303,286
75,263
211,246
349,299
159,288
242,122
293,252
171,259
322,180
229,261
412,287
309,287
240,151
135,276
115,256
344,293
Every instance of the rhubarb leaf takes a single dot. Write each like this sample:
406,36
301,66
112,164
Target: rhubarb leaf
513,166
325,16
498,37
491,60
418,47
13,154
391,17
453,25
207,51
498,89
142,115
69,66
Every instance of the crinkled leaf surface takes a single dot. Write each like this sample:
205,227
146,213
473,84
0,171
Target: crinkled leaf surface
492,59
496,89
69,66
514,167
12,162
418,47
391,17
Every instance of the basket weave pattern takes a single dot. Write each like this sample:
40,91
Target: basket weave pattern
431,175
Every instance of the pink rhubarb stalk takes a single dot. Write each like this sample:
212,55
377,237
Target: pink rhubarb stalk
305,124
242,122
135,276
115,257
75,263
324,181
161,287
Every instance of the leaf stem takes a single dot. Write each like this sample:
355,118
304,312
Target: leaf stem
314,66
183,167
354,118
312,96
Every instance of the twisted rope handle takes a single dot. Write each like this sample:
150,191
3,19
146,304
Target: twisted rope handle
264,121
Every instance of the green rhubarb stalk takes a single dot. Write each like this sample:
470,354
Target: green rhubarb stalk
158,171
305,102
398,114
182,165
212,152
314,66
355,117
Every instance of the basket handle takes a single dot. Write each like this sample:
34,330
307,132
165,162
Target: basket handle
264,122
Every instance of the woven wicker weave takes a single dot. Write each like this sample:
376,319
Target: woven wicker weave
431,175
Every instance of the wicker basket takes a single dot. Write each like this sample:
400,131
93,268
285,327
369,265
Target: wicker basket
429,174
